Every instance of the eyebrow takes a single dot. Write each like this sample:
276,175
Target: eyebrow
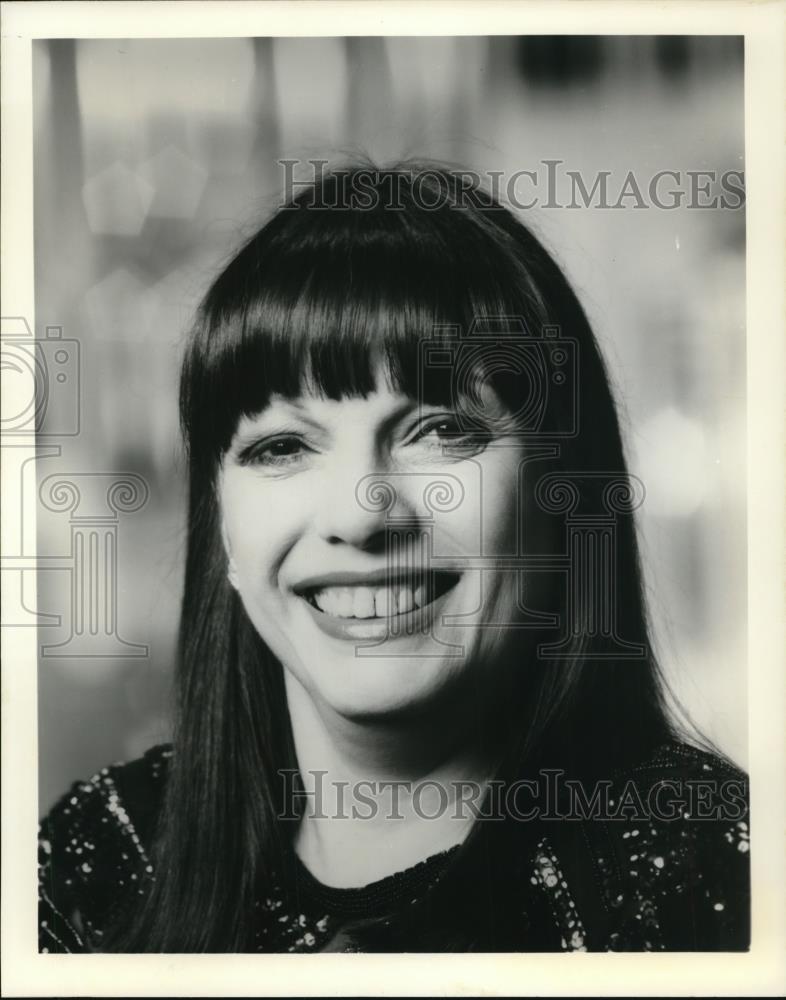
292,404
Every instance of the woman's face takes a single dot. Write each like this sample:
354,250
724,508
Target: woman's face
354,530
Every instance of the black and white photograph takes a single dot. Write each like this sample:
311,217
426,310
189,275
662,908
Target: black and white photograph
379,444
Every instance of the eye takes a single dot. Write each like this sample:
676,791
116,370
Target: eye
285,451
446,432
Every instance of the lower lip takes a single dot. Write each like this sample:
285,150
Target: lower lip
396,627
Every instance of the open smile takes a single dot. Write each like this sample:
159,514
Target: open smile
377,609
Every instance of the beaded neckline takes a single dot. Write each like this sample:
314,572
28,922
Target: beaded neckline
375,897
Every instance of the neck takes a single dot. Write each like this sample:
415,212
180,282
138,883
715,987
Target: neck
405,784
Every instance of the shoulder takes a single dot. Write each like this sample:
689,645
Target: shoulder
676,757
92,848
672,855
122,794
653,857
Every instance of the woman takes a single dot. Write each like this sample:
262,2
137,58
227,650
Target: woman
417,704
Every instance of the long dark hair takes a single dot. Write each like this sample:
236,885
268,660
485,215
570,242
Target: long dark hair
360,267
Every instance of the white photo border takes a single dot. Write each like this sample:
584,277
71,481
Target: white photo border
762,970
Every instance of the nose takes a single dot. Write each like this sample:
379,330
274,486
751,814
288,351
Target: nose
356,499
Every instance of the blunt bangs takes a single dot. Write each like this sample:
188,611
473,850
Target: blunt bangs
323,299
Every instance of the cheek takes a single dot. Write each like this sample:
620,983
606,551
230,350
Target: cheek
484,521
261,520
501,484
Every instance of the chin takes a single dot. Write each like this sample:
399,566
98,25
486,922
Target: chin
372,688
367,668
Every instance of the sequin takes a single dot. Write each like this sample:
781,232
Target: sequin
653,906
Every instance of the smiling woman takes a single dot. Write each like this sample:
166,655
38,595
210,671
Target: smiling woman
319,566
417,703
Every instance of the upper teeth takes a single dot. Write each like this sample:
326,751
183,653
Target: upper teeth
369,602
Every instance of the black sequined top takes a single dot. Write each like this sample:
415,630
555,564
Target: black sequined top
659,862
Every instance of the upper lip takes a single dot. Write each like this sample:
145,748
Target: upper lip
376,578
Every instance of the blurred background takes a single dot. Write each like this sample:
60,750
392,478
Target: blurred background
155,158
